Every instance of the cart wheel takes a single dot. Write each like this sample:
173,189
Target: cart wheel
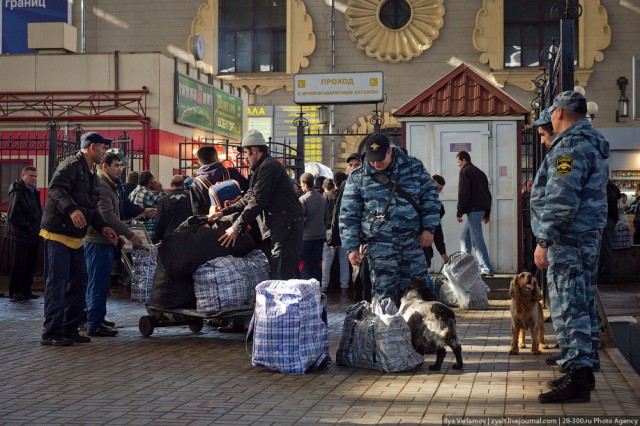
196,325
146,326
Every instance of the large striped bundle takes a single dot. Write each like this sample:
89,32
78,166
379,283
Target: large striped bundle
290,334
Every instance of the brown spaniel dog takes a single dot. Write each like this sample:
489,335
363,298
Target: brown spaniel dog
526,313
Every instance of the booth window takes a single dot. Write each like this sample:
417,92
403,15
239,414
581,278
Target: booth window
252,36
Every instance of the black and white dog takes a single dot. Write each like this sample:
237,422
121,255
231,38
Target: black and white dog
432,324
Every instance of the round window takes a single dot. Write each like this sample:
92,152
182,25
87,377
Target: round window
395,14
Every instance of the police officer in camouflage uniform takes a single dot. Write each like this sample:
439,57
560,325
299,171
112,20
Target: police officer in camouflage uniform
392,228
568,213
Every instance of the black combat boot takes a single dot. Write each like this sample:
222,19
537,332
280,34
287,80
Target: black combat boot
574,388
591,381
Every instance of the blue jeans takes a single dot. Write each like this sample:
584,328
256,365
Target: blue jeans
64,291
328,255
312,256
99,258
472,241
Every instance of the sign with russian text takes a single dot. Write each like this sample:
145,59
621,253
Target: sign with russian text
227,114
17,14
338,88
194,102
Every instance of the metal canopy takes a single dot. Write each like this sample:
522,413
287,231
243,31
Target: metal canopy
115,105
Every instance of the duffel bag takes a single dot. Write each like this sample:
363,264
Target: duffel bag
376,337
182,252
289,332
172,292
229,282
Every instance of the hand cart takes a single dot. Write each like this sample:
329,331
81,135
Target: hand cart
195,320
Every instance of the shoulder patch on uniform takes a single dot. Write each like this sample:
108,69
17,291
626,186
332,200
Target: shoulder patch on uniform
564,165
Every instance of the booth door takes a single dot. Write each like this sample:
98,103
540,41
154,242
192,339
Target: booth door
449,140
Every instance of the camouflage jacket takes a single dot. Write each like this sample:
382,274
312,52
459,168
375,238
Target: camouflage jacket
569,194
364,198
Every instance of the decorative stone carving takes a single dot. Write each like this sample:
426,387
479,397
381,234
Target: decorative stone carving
385,44
301,41
205,23
594,35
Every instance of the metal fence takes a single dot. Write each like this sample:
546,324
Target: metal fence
230,155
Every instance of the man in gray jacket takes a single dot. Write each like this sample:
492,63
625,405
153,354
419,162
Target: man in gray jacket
99,251
314,207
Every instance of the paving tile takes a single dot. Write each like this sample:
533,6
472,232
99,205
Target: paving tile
177,377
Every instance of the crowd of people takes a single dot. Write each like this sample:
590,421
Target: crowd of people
384,207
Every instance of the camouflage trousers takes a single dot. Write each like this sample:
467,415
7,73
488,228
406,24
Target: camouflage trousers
572,281
394,266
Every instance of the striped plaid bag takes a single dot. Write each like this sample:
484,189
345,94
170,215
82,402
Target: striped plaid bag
145,261
228,281
289,332
376,337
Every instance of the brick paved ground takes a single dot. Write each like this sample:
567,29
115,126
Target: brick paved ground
177,377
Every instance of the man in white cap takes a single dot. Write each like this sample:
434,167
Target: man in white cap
271,200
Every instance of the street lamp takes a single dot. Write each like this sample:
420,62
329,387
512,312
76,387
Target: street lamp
623,101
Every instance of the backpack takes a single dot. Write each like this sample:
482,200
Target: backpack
223,193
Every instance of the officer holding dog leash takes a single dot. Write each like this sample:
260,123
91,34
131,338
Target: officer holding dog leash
390,204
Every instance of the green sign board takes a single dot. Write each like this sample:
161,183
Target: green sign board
194,102
227,114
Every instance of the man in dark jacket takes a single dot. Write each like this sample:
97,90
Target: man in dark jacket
474,200
173,209
71,207
438,235
23,226
211,171
605,263
271,200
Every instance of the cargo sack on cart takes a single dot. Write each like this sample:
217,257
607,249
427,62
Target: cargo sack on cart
376,337
182,252
145,260
229,282
463,273
290,332
171,292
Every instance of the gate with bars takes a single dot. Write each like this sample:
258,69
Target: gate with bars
20,149
230,155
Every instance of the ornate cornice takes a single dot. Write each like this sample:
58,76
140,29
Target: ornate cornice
524,77
401,45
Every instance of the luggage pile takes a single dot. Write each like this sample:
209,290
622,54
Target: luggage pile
191,270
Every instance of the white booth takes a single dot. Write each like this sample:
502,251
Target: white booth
463,111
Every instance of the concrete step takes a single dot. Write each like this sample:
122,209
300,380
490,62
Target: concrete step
498,285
